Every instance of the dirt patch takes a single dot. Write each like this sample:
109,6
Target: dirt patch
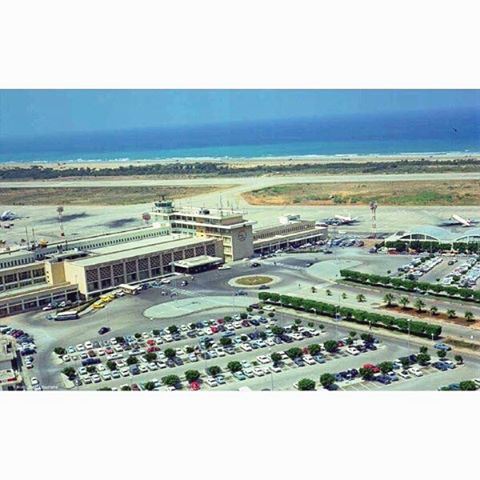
426,315
98,195
402,193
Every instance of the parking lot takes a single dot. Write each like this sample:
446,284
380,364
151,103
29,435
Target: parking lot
209,297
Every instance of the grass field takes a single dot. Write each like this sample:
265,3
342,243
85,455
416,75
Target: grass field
97,195
402,193
254,280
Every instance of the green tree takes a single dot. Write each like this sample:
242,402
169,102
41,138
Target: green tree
469,317
150,356
126,388
314,290
156,332
69,372
119,339
361,298
111,365
404,301
451,313
433,310
276,330
366,373
214,370
352,334
458,358
419,304
328,292
138,335
225,341
149,386
423,349
132,360
227,318
468,385
192,375
92,369
276,357
330,346
170,352
243,316
294,352
344,296
298,321
314,349
388,299
423,358
171,380
385,367
172,329
441,353
327,379
321,326
59,350
234,366
306,384
311,324
189,349
405,361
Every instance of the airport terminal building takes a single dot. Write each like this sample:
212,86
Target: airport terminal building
185,240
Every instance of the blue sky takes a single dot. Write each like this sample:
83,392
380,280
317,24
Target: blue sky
43,112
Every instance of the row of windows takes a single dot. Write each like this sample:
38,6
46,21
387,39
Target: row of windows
15,263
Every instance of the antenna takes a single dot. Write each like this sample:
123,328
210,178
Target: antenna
373,209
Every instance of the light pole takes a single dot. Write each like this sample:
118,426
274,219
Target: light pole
408,341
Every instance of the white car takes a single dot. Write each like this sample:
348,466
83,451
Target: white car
308,359
449,363
258,372
246,347
168,338
80,347
269,308
403,374
220,351
161,365
152,366
82,371
101,368
237,325
143,368
125,372
66,358
34,381
211,382
415,371
96,379
263,359
224,267
352,351
248,372
88,345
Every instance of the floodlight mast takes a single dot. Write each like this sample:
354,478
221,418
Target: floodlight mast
373,209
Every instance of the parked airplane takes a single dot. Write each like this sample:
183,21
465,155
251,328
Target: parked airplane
8,215
339,220
457,220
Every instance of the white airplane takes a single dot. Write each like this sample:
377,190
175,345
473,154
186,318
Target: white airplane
460,221
8,215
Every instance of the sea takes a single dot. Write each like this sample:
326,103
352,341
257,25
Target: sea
412,133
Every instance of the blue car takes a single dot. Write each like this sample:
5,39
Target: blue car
319,359
384,379
239,375
299,362
440,366
442,346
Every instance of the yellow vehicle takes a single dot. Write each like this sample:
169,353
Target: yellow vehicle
97,305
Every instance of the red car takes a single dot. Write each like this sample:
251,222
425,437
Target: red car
214,329
220,321
373,368
152,349
194,386
151,342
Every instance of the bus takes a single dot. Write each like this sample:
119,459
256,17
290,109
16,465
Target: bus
131,289
69,315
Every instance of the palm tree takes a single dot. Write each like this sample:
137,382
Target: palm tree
469,317
451,313
404,301
344,295
388,299
433,310
328,291
419,304
361,298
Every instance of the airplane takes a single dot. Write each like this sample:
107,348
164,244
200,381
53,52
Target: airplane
457,220
339,220
8,215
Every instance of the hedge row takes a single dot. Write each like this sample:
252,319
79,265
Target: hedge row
461,247
411,285
420,329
